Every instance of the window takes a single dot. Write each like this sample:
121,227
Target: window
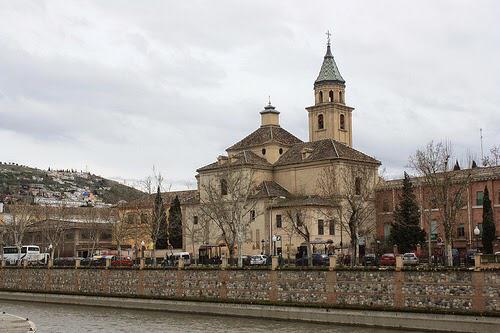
279,222
252,215
223,187
434,230
331,227
105,235
461,231
281,151
69,235
321,227
479,198
263,151
321,97
321,124
330,96
387,230
195,220
498,197
299,220
341,97
357,186
385,205
342,121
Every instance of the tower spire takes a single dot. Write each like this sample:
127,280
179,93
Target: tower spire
328,34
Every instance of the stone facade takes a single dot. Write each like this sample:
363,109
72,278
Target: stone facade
450,291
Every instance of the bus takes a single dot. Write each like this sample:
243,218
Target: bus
31,253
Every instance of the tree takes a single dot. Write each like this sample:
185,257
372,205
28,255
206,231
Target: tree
158,228
226,199
350,191
445,187
121,228
52,222
489,231
494,158
175,224
299,223
18,220
406,231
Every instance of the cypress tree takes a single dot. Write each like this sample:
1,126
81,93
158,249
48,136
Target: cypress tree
175,224
406,231
488,223
160,222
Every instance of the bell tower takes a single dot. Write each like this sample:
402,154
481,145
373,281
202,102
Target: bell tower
330,117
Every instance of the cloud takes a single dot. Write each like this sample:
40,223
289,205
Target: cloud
120,87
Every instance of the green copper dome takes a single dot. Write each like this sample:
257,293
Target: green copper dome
329,71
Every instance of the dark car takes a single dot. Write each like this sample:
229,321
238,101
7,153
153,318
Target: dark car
388,259
370,260
469,258
318,259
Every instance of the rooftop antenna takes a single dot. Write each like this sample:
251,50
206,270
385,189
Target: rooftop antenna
328,34
481,135
269,98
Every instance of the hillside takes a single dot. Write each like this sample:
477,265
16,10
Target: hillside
69,187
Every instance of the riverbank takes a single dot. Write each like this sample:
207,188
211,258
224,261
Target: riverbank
366,318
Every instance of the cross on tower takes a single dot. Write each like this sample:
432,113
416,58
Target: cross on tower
328,34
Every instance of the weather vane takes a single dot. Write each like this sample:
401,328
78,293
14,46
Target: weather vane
328,34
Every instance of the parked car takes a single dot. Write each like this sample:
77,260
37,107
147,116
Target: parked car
318,259
388,259
471,253
258,260
410,259
117,261
370,260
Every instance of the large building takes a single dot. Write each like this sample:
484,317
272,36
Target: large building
470,216
286,174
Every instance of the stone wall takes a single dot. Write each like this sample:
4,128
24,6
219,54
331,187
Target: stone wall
453,291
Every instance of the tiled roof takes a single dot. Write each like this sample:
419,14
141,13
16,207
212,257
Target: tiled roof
329,71
312,200
266,134
477,174
246,157
270,189
326,149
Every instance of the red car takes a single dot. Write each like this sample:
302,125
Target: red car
388,259
121,261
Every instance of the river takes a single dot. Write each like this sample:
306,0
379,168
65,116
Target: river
55,318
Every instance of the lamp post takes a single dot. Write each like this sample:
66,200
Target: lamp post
143,245
477,232
50,252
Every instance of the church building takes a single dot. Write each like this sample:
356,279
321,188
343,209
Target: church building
289,205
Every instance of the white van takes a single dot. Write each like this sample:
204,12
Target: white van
184,255
31,253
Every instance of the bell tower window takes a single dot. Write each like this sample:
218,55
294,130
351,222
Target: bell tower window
321,123
341,97
330,96
321,97
342,121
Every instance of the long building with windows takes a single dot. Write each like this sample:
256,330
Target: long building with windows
470,216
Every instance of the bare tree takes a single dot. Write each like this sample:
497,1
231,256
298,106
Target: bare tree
227,200
350,191
494,158
18,220
445,187
300,224
52,222
196,228
96,220
120,228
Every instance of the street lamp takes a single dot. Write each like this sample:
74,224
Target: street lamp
143,245
477,232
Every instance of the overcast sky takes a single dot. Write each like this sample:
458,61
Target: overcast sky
121,86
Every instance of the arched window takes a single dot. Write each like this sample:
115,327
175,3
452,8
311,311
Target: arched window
357,186
330,96
342,121
223,187
321,124
321,97
263,151
281,151
341,97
